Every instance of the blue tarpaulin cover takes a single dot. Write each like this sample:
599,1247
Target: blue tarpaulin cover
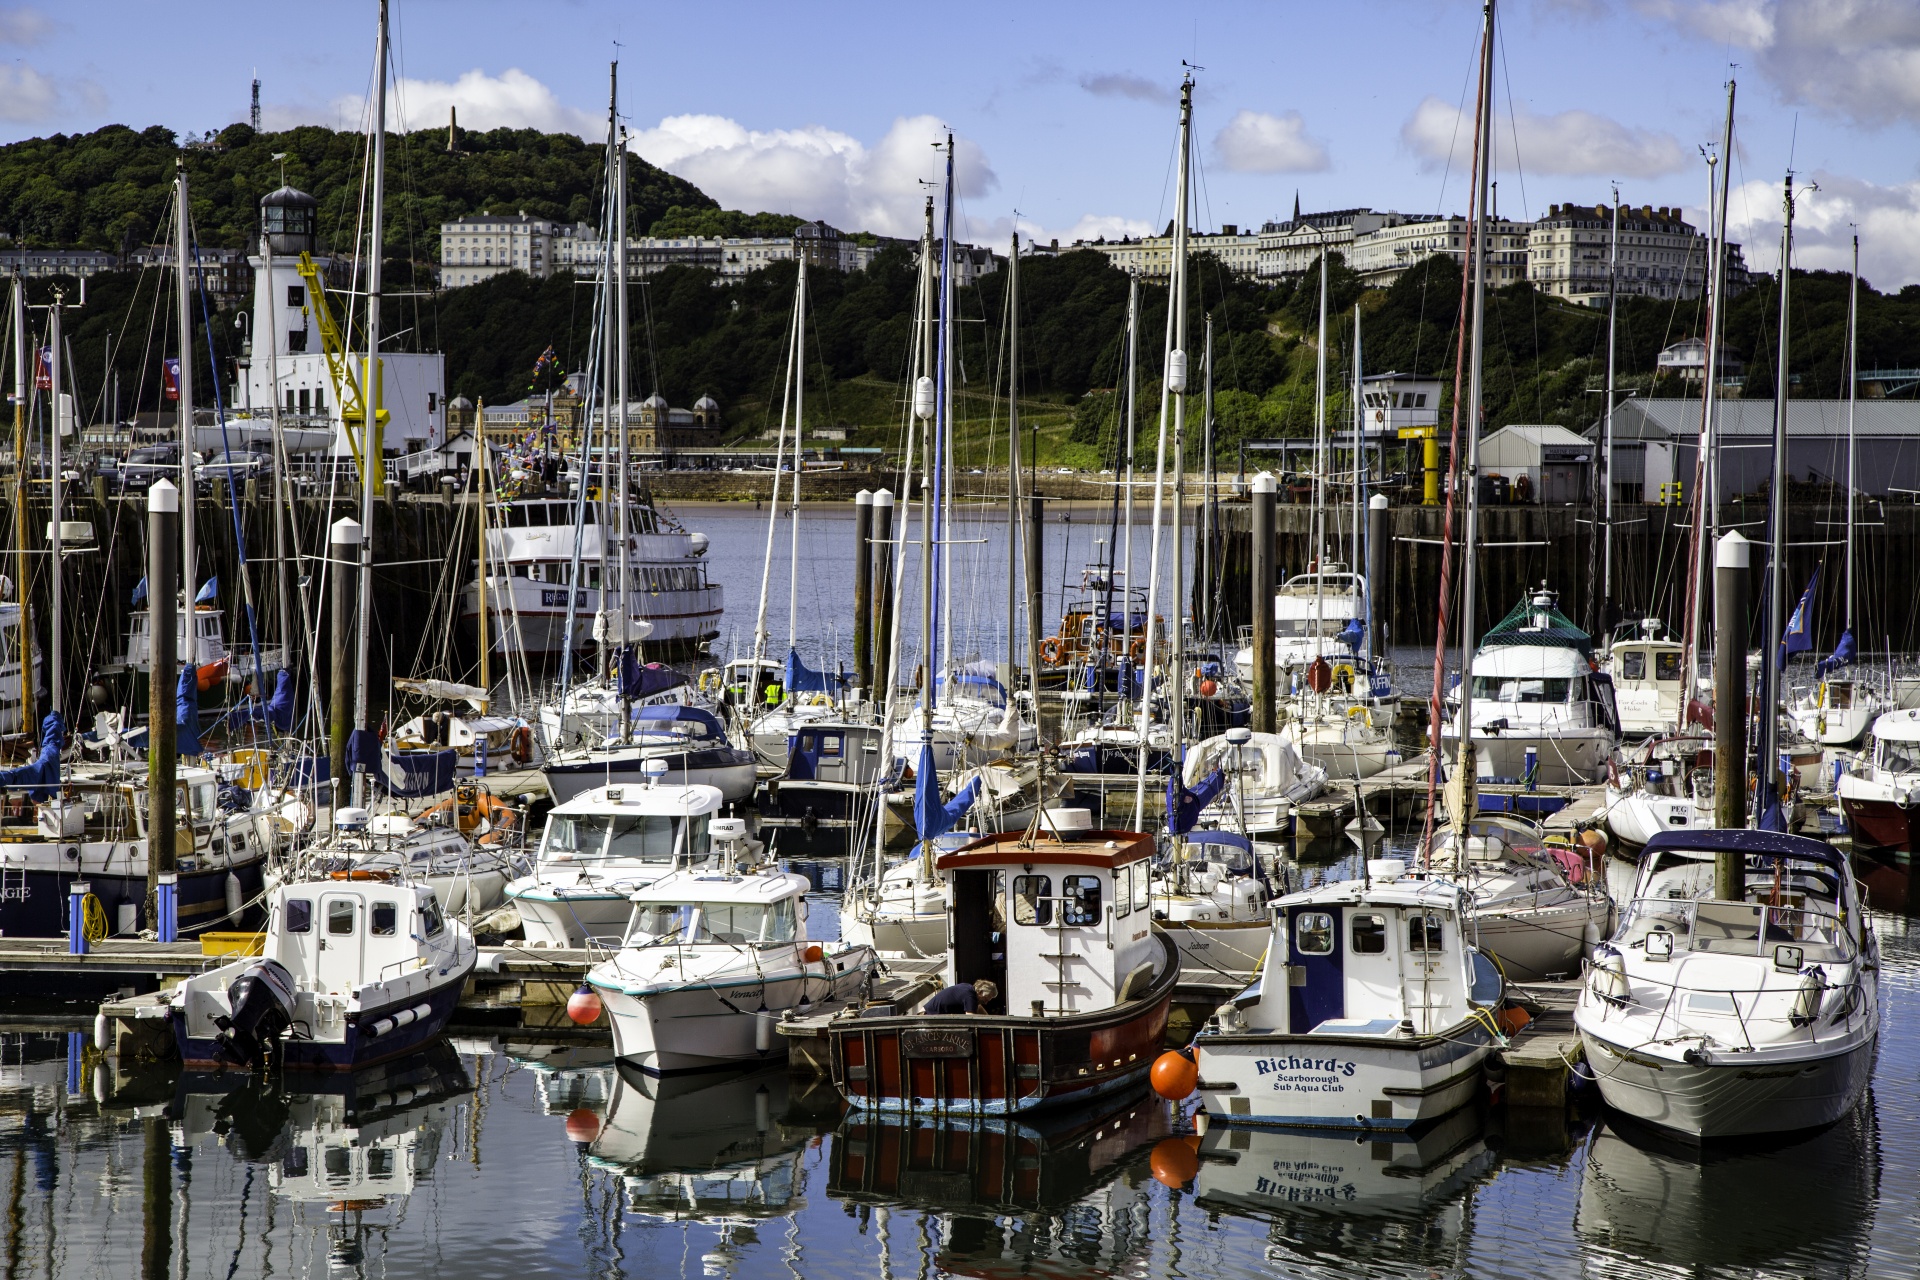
1353,635
931,817
643,680
1184,806
186,712
801,678
678,713
1843,653
43,771
363,751
420,773
276,711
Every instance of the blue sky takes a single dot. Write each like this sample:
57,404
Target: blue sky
1065,113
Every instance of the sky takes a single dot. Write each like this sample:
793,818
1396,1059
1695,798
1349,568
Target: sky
1065,116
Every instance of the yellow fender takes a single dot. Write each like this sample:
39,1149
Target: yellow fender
1362,713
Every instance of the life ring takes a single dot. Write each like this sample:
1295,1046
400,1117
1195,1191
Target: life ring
819,700
1343,676
1137,651
709,680
360,874
1050,651
1361,713
522,744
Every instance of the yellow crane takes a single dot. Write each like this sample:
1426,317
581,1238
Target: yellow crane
346,388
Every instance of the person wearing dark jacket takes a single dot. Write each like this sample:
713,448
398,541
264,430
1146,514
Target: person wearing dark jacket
962,997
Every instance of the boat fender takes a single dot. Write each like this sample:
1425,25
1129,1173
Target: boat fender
1808,999
762,1033
1174,1075
1607,979
236,896
522,745
394,1022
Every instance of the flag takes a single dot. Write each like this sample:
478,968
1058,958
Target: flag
43,379
1843,653
170,378
1798,637
139,591
209,591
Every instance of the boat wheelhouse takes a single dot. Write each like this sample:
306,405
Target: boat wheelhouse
1648,666
1062,925
1881,798
837,771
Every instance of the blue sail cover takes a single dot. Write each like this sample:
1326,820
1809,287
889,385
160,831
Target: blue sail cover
363,751
706,724
276,711
1843,653
977,680
1353,635
801,678
638,680
931,817
1798,637
186,712
43,772
420,773
1184,806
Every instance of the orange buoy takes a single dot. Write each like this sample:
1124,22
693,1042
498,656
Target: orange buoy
1512,1018
584,1006
1208,688
583,1124
1174,1075
814,953
1175,1161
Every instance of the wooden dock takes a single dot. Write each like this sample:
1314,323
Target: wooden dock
1541,1057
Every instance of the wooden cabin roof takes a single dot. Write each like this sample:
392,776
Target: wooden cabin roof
1107,849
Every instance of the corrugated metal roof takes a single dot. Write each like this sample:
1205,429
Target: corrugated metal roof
1755,417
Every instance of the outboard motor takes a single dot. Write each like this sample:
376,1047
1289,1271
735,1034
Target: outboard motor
262,1000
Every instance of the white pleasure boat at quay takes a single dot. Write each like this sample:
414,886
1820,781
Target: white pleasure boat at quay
1881,795
1266,777
1374,1011
600,848
713,957
690,740
1528,911
1729,1016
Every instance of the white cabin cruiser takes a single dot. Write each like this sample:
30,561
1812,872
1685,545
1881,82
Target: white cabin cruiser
1529,910
599,849
1728,1017
1837,711
1374,1011
1266,777
713,957
1648,666
354,972
1540,707
1881,796
1311,612
690,740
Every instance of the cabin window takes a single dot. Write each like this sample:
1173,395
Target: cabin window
1142,887
1666,666
1424,934
1510,689
830,744
1313,933
385,918
645,836
380,1163
1082,900
1123,890
1369,935
299,915
1633,666
430,917
1033,900
338,1164
295,1163
340,913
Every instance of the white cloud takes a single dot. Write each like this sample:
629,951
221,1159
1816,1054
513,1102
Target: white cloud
1857,59
1569,142
24,26
1824,222
1119,84
26,96
511,100
815,171
1256,142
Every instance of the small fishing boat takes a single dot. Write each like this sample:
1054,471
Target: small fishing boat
1061,924
1211,898
1720,1017
1880,796
691,740
459,848
600,848
1530,912
836,772
713,957
355,970
1374,1011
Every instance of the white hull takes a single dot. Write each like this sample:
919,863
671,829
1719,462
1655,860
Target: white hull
1331,1081
566,918
736,781
915,937
1569,757
1535,943
1229,950
1735,1094
713,1025
1637,816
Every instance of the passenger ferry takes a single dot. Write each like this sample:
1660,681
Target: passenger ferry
530,554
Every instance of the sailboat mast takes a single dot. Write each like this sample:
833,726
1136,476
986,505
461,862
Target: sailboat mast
1766,766
372,473
1124,638
943,435
1176,372
1018,534
28,712
926,407
1853,383
1470,476
1206,529
799,459
1605,613
773,508
183,312
1177,384
1320,464
1359,418
621,388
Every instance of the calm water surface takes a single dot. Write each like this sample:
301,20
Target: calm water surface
495,1159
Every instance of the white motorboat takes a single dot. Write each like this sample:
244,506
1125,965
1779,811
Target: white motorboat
1266,777
1312,611
713,957
599,849
1720,1017
1837,711
1211,899
690,740
1880,796
468,872
1339,737
1528,911
1648,667
1374,1011
1541,709
354,972
837,771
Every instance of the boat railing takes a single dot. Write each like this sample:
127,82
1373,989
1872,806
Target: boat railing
1724,927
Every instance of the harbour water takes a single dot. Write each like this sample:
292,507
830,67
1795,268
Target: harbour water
515,1160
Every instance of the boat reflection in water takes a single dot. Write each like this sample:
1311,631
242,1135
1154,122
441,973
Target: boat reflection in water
699,1147
1801,1207
1062,1191
349,1145
1334,1200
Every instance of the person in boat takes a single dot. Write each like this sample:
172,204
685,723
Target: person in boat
962,997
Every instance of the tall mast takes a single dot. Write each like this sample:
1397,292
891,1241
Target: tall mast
28,713
943,436
56,572
773,507
1476,246
622,336
282,511
189,652
373,472
1175,381
1207,528
1853,383
1319,556
1016,537
1605,614
1359,420
926,407
799,463
1177,384
1766,767
1124,639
